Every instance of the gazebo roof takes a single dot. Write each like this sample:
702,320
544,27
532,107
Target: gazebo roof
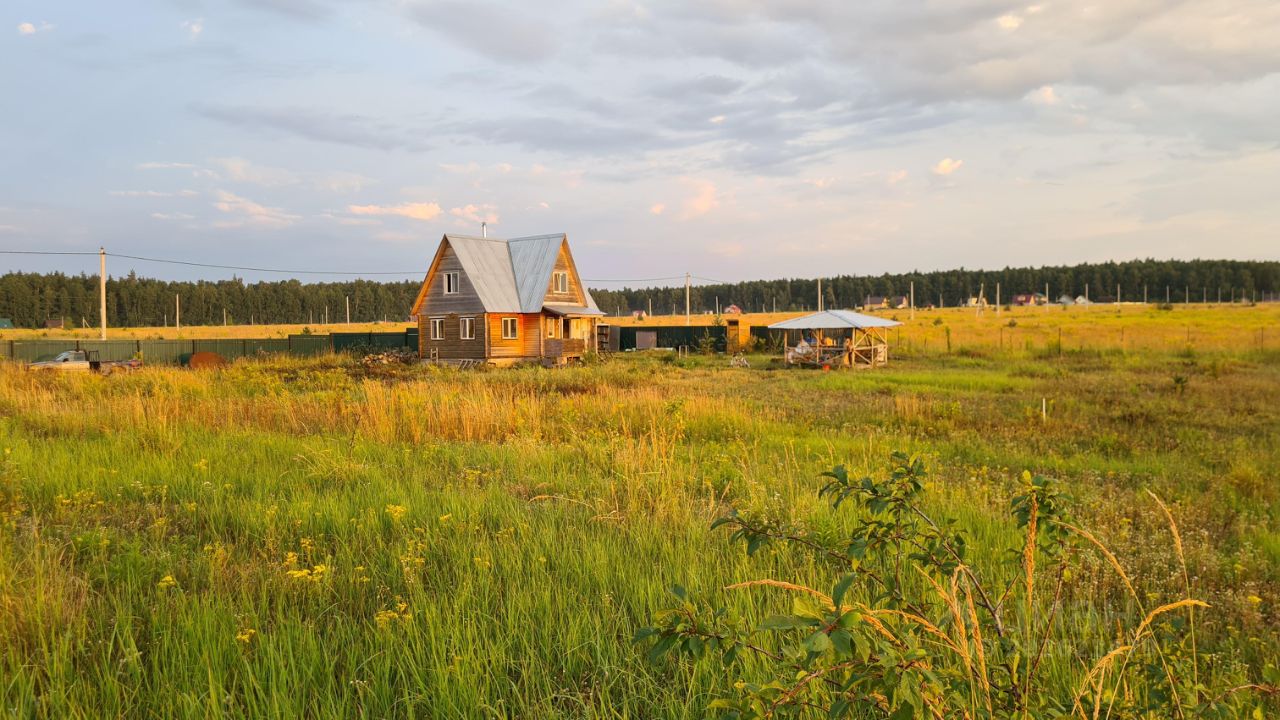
834,320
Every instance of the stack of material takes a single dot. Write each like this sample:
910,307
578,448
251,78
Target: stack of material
399,356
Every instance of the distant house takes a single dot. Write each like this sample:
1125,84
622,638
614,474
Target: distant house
1082,300
1065,299
54,324
1027,299
881,301
732,310
6,324
639,314
504,301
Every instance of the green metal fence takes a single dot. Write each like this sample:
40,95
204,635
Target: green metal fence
178,352
674,336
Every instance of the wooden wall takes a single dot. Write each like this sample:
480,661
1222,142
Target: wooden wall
562,265
526,345
452,347
464,301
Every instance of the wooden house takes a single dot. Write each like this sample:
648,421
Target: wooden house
503,302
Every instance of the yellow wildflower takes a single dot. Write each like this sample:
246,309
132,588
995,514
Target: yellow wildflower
245,636
1254,600
445,518
396,511
167,582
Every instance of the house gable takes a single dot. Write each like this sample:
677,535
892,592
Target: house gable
574,293
432,298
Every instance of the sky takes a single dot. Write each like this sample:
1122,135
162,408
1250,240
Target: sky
732,139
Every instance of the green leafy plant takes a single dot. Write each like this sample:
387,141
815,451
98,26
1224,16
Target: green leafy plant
908,628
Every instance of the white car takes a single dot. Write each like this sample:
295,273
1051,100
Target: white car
73,360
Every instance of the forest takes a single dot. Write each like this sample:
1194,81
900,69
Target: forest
29,299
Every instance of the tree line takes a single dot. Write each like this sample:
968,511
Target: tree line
1153,280
29,299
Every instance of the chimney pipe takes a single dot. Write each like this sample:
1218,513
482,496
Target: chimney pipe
484,229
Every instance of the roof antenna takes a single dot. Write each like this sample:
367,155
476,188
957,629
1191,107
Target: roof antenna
484,229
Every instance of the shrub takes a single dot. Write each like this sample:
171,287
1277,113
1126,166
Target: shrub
908,628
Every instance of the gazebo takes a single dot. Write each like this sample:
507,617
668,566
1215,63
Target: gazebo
840,338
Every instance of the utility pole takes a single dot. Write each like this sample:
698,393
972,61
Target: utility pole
819,294
1144,294
982,298
348,309
687,319
224,317
913,299
177,311
997,299
102,290
1046,294
1117,293
650,306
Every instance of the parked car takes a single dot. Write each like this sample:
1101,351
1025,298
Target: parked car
87,360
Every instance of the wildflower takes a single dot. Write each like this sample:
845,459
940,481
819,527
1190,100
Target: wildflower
202,465
482,563
167,582
396,511
245,636
313,574
1254,600
445,518
290,559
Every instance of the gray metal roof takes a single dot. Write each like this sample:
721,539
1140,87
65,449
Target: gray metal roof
834,320
488,266
512,275
568,309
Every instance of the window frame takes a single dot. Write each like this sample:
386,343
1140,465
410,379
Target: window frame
560,281
466,328
515,325
451,282
437,323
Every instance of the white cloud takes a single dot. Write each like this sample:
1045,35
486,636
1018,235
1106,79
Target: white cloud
703,199
1009,22
475,214
153,193
413,211
172,216
193,27
658,208
1047,96
27,28
247,212
946,166
242,170
896,177
717,120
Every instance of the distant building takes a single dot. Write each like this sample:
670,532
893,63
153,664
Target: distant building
6,324
54,324
1027,299
881,301
1065,299
1082,300
733,310
639,314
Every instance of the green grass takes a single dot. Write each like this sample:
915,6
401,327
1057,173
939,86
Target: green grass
546,512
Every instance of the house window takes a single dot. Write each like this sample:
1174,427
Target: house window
467,328
437,328
551,327
450,283
510,328
560,282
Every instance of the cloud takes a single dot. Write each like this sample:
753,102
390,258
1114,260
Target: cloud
166,166
703,199
657,208
172,216
316,126
1047,95
896,177
1009,22
413,211
153,193
246,212
193,27
27,28
503,34
242,170
946,166
475,214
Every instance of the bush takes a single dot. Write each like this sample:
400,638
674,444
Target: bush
962,644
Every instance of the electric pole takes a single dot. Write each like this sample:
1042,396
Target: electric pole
348,309
177,311
687,319
913,299
102,290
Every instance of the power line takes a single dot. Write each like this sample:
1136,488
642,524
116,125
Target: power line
44,252
259,269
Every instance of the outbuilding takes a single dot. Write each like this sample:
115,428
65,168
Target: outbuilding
836,338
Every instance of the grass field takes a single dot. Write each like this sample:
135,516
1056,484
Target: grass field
310,538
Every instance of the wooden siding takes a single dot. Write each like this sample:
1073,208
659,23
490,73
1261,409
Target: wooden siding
452,347
466,301
564,265
527,345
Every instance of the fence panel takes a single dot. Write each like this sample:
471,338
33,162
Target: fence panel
165,352
37,350
305,345
265,346
671,336
229,349
111,350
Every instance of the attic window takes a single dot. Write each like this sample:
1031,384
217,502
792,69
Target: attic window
450,283
560,282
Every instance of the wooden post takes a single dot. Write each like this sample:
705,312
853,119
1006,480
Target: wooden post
998,307
913,299
102,292
819,294
348,309
687,319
